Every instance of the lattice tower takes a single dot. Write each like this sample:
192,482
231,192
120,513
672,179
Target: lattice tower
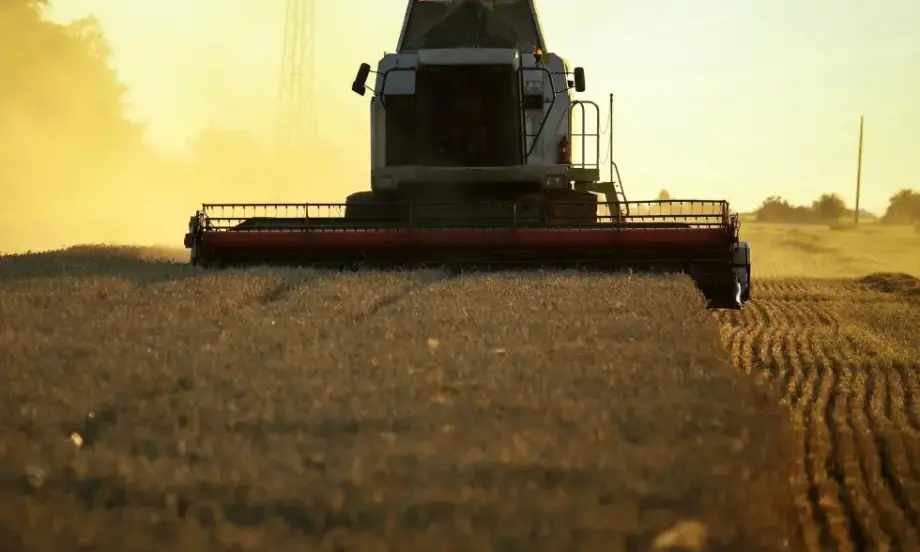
296,116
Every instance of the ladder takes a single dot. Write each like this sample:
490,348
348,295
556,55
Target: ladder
586,172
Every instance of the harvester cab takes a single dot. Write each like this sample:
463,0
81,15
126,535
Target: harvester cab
482,156
472,110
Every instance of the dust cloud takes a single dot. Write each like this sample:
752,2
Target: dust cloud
76,165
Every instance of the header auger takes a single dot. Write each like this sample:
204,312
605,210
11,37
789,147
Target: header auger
473,123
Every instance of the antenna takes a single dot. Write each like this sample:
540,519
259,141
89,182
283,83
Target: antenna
296,115
859,169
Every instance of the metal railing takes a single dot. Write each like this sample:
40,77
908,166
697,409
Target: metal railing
579,107
299,217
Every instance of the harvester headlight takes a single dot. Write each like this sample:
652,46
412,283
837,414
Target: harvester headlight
385,183
556,181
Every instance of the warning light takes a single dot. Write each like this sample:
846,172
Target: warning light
539,55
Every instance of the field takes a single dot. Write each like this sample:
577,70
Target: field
836,327
818,252
292,410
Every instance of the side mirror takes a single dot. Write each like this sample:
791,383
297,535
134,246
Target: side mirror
359,87
579,79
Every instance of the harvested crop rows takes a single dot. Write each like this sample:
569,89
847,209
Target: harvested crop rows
296,410
844,356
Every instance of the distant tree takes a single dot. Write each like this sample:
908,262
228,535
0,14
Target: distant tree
664,195
62,115
829,207
775,209
58,78
903,208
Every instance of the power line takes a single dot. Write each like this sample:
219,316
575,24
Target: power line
859,169
296,114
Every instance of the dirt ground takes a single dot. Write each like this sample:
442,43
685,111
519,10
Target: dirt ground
149,406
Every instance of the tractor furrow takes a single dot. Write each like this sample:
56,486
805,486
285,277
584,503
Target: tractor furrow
896,466
814,518
912,392
901,424
834,518
799,386
852,400
865,529
875,457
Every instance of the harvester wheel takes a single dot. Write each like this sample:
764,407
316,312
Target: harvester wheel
571,208
718,286
371,208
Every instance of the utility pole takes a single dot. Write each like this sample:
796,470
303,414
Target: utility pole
296,112
859,170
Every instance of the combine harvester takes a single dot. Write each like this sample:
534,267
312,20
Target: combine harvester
471,146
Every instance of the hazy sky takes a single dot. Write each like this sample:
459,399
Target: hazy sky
714,99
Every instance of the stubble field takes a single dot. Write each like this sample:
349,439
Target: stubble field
150,406
836,328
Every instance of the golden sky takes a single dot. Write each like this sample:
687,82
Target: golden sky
715,99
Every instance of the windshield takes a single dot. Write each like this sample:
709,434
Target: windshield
459,116
468,116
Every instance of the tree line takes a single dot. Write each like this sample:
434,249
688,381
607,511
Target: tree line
75,166
903,208
62,112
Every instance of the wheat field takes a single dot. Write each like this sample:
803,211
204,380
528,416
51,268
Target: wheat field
153,406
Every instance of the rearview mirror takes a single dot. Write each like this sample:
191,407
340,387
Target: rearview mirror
359,87
579,79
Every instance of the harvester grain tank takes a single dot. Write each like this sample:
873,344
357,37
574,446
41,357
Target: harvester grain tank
473,126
